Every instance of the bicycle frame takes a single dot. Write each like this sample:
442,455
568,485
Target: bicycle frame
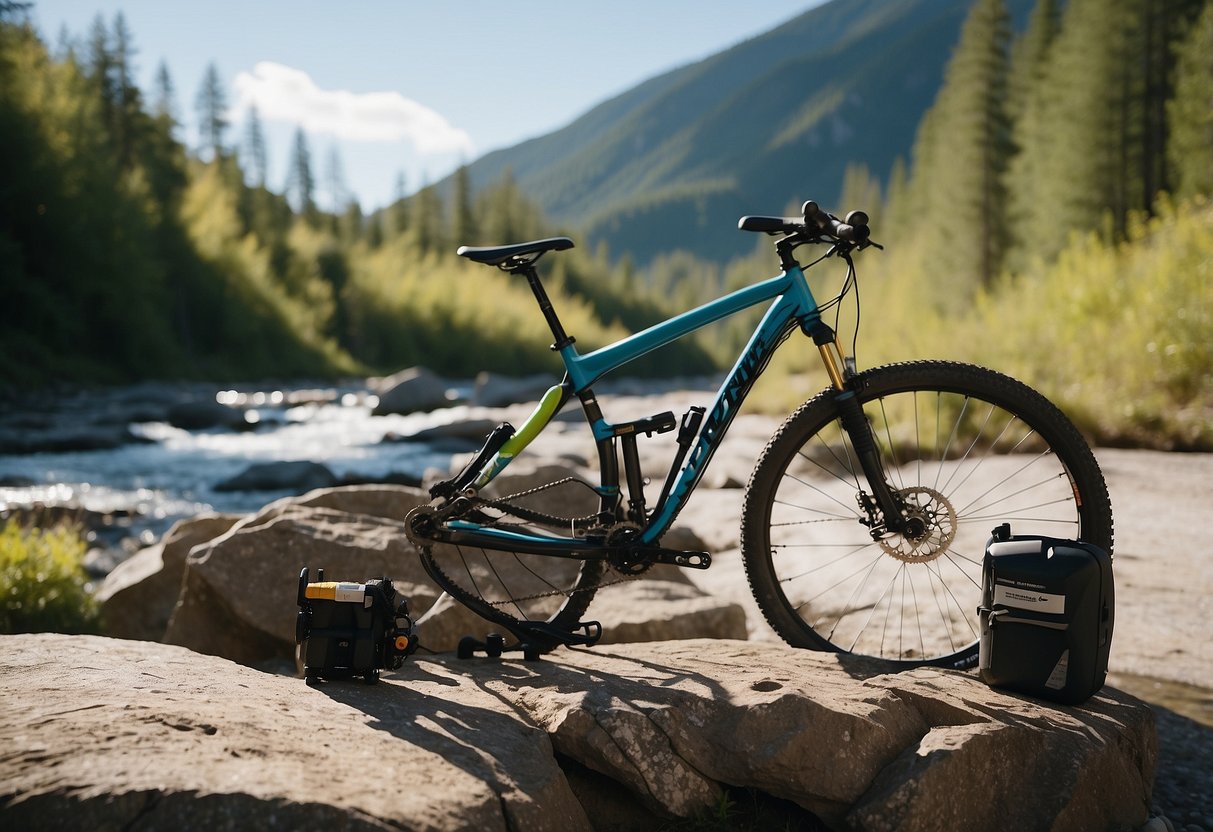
794,306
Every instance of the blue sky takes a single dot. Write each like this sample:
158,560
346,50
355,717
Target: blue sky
412,87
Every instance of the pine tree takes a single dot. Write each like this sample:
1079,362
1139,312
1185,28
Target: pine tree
300,181
1190,149
128,105
426,219
399,212
462,222
211,106
1026,103
338,191
99,69
164,105
961,155
255,149
1029,56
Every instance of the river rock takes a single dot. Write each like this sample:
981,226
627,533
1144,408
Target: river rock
205,413
65,439
100,733
459,437
493,390
138,596
411,391
297,476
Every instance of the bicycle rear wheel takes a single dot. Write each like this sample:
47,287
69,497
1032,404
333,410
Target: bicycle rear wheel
966,449
516,590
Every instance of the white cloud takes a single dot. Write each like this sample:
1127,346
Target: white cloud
281,93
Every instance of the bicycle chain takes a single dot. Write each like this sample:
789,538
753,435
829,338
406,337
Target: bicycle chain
503,504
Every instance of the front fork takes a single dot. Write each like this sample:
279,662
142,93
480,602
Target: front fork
885,509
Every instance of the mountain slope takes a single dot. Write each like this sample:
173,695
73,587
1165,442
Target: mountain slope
673,162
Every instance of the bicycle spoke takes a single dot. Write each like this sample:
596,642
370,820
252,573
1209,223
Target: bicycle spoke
851,516
1031,461
867,621
889,437
870,565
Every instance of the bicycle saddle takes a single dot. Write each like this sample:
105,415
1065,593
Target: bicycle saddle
516,254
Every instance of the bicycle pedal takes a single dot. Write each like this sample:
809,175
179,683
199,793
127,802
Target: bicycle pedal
492,646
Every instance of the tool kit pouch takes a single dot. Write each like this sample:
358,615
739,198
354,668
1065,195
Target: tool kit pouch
346,629
1047,611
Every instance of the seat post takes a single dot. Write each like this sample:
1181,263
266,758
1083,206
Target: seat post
549,314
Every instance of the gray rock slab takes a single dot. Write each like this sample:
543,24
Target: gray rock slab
100,732
108,734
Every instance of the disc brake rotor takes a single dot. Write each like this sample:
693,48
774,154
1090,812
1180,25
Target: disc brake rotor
931,526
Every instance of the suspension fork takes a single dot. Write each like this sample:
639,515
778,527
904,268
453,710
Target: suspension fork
859,429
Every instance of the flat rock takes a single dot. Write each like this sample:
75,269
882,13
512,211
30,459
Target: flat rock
105,734
101,733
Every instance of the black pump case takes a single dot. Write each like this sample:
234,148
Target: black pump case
1048,606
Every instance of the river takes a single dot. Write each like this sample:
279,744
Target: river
162,473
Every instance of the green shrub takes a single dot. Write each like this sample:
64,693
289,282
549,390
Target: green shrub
42,581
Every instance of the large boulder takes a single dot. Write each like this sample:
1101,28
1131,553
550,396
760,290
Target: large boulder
238,595
173,739
137,598
411,391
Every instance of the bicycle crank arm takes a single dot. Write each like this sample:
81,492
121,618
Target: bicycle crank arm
641,557
688,560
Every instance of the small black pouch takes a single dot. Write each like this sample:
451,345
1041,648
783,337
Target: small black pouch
1048,606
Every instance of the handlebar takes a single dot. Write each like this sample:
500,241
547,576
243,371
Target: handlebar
815,224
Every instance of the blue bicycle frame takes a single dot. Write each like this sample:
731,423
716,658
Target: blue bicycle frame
794,307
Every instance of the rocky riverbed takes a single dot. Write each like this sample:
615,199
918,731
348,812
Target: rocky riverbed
134,461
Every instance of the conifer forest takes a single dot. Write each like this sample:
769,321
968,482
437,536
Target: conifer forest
1051,220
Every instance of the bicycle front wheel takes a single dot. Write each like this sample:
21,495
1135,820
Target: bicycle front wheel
966,449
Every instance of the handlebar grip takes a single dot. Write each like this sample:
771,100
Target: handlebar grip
854,230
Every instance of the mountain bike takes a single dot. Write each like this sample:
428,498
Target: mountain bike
864,521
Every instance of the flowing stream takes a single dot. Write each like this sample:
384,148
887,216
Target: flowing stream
166,473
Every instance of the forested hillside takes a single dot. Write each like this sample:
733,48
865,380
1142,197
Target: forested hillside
1049,216
770,122
1054,221
125,254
